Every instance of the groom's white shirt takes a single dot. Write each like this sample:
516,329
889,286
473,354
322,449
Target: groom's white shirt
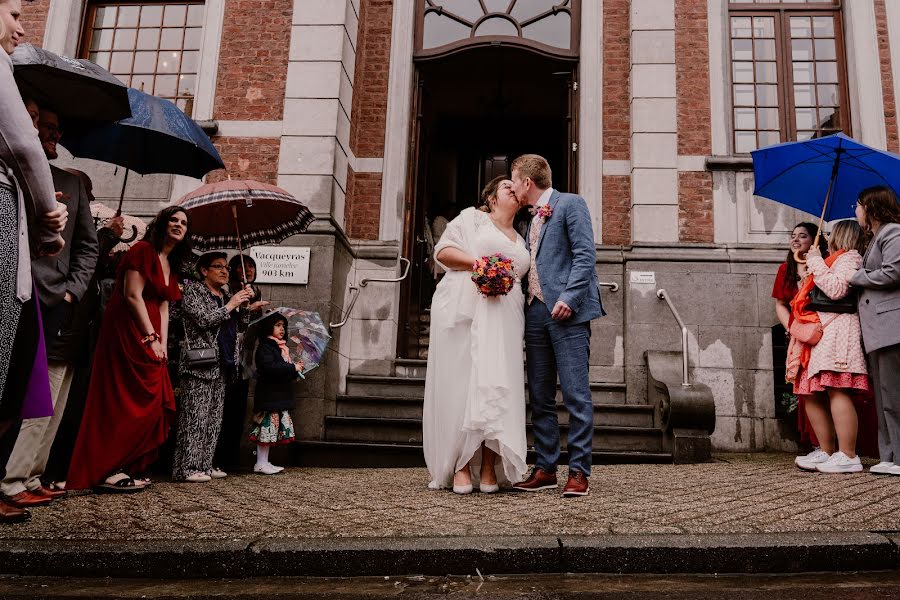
545,197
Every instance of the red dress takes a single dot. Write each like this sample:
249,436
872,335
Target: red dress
130,405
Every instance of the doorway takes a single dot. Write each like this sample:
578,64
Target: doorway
473,113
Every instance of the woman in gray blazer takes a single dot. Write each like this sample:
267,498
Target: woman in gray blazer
879,315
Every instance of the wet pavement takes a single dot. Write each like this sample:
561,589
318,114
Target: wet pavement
845,586
738,493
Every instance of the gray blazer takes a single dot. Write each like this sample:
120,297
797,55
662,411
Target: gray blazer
879,300
566,258
71,270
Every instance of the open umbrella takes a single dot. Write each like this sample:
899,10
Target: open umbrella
823,176
306,335
74,88
241,213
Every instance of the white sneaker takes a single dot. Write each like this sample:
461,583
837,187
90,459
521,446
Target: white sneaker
218,473
895,470
197,477
840,463
267,469
809,461
882,468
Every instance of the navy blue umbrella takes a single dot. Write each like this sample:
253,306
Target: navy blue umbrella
157,138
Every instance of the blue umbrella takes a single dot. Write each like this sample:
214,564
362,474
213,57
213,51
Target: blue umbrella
823,176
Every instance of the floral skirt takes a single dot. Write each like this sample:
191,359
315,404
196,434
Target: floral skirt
272,428
830,379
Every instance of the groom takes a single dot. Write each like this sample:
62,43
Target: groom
562,296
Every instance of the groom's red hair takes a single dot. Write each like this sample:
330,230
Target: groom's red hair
536,168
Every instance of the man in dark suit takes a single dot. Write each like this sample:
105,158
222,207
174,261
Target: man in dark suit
61,281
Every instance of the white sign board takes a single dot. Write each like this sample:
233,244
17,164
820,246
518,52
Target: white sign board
276,264
643,277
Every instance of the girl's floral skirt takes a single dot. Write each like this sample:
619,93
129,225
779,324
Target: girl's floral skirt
830,379
271,428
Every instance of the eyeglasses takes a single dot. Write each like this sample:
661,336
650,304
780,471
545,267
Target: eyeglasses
220,267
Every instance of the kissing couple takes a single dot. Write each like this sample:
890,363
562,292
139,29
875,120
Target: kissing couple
474,413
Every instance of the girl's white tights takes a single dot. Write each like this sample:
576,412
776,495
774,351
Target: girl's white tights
262,455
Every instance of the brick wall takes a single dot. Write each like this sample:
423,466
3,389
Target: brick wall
248,158
367,127
362,217
34,20
887,78
695,207
617,210
253,60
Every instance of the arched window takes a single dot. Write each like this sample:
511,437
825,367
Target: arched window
548,26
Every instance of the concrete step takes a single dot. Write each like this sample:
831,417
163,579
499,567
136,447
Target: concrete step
400,407
409,431
376,455
414,387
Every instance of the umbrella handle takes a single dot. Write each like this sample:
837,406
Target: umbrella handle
132,237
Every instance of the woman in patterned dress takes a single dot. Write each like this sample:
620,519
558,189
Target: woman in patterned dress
836,367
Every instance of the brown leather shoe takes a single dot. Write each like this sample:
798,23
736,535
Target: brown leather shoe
538,480
11,514
48,493
577,485
26,500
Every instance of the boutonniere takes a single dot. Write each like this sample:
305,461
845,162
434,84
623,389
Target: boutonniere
544,212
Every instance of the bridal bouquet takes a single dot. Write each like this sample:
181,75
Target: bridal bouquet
494,275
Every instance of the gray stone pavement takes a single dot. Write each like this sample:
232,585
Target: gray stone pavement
735,494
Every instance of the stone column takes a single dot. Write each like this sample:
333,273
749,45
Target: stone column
654,141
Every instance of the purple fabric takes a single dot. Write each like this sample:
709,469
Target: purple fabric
38,401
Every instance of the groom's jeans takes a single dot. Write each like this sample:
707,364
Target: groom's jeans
554,348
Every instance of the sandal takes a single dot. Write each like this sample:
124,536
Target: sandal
142,482
125,485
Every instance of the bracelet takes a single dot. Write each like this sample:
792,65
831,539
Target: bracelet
150,338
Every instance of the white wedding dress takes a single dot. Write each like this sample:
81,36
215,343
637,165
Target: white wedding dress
475,383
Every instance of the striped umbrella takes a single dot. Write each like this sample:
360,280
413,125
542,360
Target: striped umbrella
240,213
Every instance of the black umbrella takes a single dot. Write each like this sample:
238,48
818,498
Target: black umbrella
73,88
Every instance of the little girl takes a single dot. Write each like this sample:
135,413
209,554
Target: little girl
274,395
830,372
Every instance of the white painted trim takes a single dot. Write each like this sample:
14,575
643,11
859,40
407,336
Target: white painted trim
864,73
400,82
719,76
892,8
691,163
366,165
62,31
590,117
208,72
616,167
249,129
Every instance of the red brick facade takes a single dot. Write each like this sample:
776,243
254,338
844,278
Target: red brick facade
34,20
367,128
617,210
887,77
695,207
362,220
253,60
248,158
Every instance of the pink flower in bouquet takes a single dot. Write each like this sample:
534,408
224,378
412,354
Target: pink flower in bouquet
494,275
545,212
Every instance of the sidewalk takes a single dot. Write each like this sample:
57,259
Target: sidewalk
367,520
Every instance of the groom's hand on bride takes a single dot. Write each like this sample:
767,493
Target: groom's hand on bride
561,311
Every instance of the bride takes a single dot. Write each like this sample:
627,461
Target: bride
474,412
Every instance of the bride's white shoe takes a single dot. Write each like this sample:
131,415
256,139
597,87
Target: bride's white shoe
462,489
489,488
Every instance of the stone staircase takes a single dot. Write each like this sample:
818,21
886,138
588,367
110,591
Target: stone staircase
378,423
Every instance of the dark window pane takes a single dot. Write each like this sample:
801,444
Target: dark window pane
801,49
743,72
823,26
744,118
764,49
767,118
767,95
125,39
826,50
803,72
829,95
804,95
554,30
742,49
743,95
148,39
827,72
175,15
128,16
740,27
151,16
766,72
801,27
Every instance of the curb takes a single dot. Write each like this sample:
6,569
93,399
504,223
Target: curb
339,557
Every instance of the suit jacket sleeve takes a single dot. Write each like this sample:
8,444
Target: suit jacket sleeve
85,249
888,275
584,253
21,150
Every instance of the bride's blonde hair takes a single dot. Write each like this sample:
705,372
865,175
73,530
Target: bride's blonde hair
489,193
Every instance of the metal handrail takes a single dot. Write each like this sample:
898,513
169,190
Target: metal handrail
363,283
662,295
612,285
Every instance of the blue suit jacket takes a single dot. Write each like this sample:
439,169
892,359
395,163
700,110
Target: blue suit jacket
566,259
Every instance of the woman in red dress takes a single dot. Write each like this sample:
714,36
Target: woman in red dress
130,404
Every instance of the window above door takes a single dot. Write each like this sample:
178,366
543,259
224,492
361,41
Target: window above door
547,26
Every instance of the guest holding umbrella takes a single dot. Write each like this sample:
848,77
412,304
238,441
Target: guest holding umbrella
205,307
130,404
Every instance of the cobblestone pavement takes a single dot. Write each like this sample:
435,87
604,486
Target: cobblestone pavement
756,493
